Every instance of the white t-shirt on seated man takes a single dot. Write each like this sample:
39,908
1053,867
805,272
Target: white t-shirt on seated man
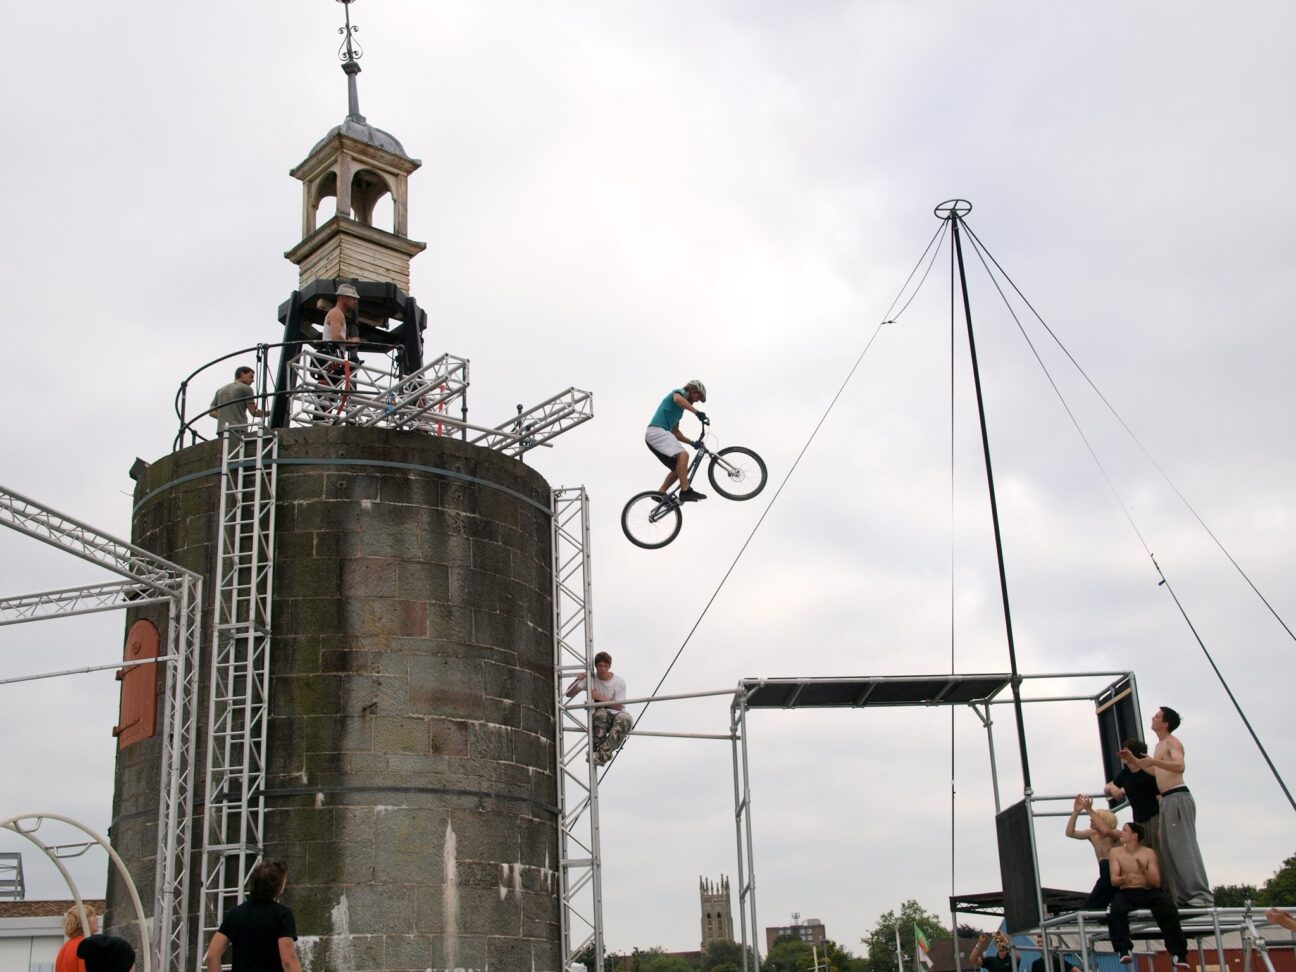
611,723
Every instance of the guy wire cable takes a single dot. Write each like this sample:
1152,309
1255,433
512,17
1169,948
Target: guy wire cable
1152,459
1164,582
814,432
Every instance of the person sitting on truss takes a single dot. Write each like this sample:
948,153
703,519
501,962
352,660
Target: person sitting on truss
610,724
1136,873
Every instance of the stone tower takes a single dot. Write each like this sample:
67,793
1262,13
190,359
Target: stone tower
408,723
717,915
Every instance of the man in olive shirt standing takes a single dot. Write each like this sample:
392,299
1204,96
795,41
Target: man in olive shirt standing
232,403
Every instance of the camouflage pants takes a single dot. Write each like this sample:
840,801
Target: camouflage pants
610,730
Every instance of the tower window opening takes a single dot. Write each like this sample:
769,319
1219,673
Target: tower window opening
371,200
322,209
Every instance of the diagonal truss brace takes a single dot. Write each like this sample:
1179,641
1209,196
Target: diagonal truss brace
537,425
150,579
77,600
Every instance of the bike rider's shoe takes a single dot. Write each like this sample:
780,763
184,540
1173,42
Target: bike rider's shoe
691,495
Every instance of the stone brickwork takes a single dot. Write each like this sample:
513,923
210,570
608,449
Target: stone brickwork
411,756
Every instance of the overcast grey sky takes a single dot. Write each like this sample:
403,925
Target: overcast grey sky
625,196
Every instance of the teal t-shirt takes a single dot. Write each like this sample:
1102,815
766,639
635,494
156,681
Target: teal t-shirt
668,412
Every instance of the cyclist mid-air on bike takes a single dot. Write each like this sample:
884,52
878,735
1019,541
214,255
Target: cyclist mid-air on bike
667,442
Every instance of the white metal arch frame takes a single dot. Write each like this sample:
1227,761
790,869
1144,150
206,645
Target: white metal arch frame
151,579
56,852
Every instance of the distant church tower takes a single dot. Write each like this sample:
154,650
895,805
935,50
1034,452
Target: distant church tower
717,916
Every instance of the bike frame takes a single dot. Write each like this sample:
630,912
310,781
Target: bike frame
701,451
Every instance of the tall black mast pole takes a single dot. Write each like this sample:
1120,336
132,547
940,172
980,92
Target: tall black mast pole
954,211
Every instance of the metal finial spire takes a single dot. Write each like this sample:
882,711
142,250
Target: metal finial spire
350,53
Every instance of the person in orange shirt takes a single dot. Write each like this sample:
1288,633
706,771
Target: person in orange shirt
66,960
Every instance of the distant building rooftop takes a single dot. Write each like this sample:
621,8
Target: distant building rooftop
44,909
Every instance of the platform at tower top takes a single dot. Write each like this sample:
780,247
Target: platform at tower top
365,385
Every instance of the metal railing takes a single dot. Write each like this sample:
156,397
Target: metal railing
330,384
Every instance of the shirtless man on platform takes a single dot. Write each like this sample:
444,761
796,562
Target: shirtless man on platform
337,322
1182,868
1137,877
1102,835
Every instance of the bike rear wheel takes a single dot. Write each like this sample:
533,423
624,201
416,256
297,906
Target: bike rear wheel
737,473
651,520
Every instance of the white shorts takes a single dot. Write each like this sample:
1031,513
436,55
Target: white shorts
663,443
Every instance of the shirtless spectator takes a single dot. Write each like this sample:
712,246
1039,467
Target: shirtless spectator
611,723
1139,787
1103,837
1137,876
1000,959
1181,861
337,322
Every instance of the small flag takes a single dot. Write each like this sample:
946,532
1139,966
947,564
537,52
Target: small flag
921,952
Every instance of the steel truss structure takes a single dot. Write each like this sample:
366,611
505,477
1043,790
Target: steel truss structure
1081,931
333,389
328,388
577,775
149,579
234,811
979,692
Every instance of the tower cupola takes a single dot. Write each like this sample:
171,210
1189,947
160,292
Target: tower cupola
356,165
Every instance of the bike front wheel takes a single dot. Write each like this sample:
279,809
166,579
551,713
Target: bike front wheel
651,520
737,473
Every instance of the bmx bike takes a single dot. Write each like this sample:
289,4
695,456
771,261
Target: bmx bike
653,519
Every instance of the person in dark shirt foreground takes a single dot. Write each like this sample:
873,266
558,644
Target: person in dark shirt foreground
262,931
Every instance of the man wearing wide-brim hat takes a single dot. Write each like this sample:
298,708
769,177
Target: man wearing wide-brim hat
337,322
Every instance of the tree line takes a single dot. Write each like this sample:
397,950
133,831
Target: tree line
793,955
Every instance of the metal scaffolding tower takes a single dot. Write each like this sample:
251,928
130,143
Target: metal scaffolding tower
579,858
150,579
234,812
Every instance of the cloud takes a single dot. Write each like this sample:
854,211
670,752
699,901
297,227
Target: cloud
624,198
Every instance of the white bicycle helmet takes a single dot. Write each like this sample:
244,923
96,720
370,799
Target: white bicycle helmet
701,388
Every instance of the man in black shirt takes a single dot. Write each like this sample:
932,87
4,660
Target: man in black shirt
262,931
1139,787
1000,959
